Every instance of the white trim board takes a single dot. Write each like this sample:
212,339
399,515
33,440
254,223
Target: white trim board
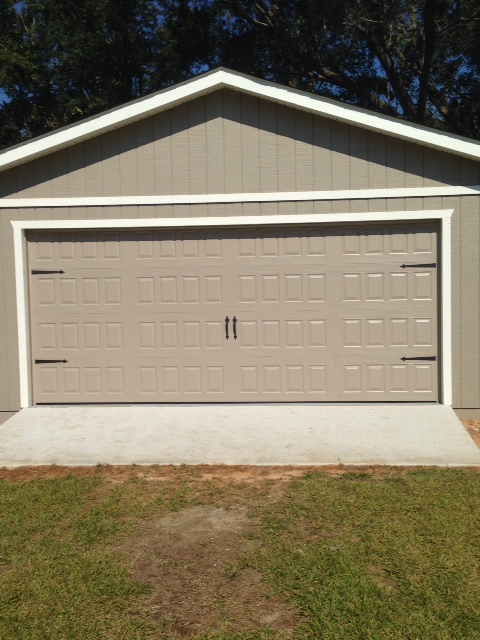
228,198
21,279
225,78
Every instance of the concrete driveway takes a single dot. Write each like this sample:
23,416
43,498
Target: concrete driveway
284,434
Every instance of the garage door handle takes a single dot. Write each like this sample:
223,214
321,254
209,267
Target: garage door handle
39,272
49,361
234,327
424,265
227,320
430,358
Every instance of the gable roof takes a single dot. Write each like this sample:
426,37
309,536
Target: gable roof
225,78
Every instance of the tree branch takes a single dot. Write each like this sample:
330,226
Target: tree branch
461,21
430,38
383,55
322,72
340,80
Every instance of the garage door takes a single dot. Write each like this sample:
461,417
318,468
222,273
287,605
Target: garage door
305,314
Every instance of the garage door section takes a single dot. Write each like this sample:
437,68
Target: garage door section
331,314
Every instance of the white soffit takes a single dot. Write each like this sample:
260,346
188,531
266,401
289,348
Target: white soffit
224,78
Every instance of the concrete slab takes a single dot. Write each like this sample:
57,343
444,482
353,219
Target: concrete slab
237,435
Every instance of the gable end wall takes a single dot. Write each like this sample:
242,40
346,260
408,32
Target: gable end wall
230,142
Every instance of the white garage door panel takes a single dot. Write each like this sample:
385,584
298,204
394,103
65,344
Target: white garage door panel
322,314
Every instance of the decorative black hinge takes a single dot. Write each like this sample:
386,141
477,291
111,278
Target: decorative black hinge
36,272
429,358
424,265
49,361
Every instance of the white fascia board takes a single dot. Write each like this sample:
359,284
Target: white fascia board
229,198
137,110
359,117
222,78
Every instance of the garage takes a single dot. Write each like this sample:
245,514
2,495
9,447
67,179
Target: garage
230,240
298,313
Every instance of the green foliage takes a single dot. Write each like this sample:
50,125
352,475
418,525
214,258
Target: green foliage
63,60
413,59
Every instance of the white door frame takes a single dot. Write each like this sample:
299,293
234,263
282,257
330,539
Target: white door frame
444,274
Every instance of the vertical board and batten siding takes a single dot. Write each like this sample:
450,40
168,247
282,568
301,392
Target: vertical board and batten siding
229,142
470,303
465,270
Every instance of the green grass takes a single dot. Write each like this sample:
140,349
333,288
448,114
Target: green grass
58,580
379,559
360,557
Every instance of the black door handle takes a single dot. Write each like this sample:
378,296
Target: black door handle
424,265
37,272
234,327
227,320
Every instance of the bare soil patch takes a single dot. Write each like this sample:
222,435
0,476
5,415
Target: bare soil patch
473,428
207,473
154,473
194,562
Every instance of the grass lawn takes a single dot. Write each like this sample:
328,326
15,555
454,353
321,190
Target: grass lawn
239,554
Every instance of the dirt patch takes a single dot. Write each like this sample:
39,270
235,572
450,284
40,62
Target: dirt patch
206,473
382,579
206,521
155,473
473,428
195,562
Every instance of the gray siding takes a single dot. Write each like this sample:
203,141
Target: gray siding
466,267
229,142
6,415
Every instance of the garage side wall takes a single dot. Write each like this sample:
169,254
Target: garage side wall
229,142
465,252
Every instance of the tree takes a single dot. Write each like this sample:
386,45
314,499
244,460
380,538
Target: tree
417,60
64,60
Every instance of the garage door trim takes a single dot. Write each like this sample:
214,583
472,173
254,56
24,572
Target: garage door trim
20,247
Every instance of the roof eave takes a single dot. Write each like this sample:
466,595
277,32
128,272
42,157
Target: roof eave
113,119
222,78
